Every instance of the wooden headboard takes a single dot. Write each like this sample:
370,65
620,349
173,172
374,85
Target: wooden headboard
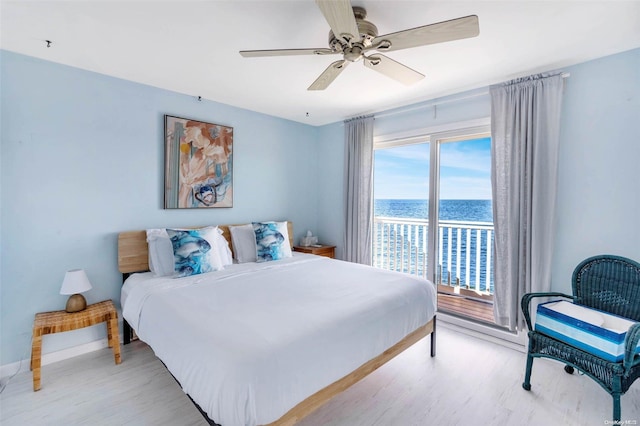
133,252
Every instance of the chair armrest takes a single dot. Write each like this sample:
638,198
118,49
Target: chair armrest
526,300
630,344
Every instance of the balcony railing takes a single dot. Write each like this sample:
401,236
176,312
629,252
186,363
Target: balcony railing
464,252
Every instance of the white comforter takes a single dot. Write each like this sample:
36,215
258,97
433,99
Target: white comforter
250,342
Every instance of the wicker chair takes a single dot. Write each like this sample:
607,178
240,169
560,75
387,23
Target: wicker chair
610,284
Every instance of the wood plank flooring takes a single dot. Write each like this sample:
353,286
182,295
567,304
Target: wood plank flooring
470,382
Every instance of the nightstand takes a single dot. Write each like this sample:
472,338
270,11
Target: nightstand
320,250
59,321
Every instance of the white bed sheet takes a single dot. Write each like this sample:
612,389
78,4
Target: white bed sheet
250,342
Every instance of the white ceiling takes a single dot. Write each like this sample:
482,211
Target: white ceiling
192,47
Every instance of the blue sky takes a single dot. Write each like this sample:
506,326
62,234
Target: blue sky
465,171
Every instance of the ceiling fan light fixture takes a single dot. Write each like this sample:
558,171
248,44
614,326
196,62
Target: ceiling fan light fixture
353,53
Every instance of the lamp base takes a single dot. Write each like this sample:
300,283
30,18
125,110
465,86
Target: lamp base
76,303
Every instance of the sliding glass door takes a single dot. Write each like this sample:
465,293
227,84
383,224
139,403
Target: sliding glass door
433,215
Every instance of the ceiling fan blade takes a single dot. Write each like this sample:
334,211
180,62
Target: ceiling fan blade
328,75
393,69
454,29
286,52
339,15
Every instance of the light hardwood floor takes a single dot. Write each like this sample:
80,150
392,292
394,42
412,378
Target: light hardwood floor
470,382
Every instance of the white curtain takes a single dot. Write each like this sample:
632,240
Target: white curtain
358,192
525,126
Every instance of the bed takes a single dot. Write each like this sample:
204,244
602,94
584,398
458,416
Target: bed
268,343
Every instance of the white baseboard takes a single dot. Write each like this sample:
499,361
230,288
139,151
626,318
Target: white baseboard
51,357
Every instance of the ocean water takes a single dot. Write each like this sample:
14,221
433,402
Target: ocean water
411,240
471,210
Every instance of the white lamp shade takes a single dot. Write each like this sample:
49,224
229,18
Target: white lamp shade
75,281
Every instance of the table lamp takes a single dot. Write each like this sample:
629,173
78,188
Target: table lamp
75,282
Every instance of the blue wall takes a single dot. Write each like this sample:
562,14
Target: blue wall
82,159
598,192
599,175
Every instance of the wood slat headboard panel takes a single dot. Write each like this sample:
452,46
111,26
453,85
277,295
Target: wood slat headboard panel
133,251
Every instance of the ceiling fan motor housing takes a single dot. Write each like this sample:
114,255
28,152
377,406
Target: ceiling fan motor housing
367,31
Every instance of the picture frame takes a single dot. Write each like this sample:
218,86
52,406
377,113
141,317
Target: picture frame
198,164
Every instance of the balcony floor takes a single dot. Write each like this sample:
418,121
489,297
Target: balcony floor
466,308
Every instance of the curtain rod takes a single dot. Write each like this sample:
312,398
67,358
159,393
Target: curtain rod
446,101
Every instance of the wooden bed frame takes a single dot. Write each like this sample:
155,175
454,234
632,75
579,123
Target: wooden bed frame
133,256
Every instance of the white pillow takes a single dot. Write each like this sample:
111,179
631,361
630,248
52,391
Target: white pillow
160,252
223,248
244,243
161,261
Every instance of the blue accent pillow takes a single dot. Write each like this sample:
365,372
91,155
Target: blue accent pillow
270,242
194,251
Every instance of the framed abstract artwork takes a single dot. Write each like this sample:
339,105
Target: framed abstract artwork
198,164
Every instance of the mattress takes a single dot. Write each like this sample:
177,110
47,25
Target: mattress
250,342
596,332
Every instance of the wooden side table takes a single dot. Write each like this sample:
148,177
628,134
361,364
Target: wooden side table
59,321
320,250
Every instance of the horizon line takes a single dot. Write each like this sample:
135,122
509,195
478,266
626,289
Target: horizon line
442,199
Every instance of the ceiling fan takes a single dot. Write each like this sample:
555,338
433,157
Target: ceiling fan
352,37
